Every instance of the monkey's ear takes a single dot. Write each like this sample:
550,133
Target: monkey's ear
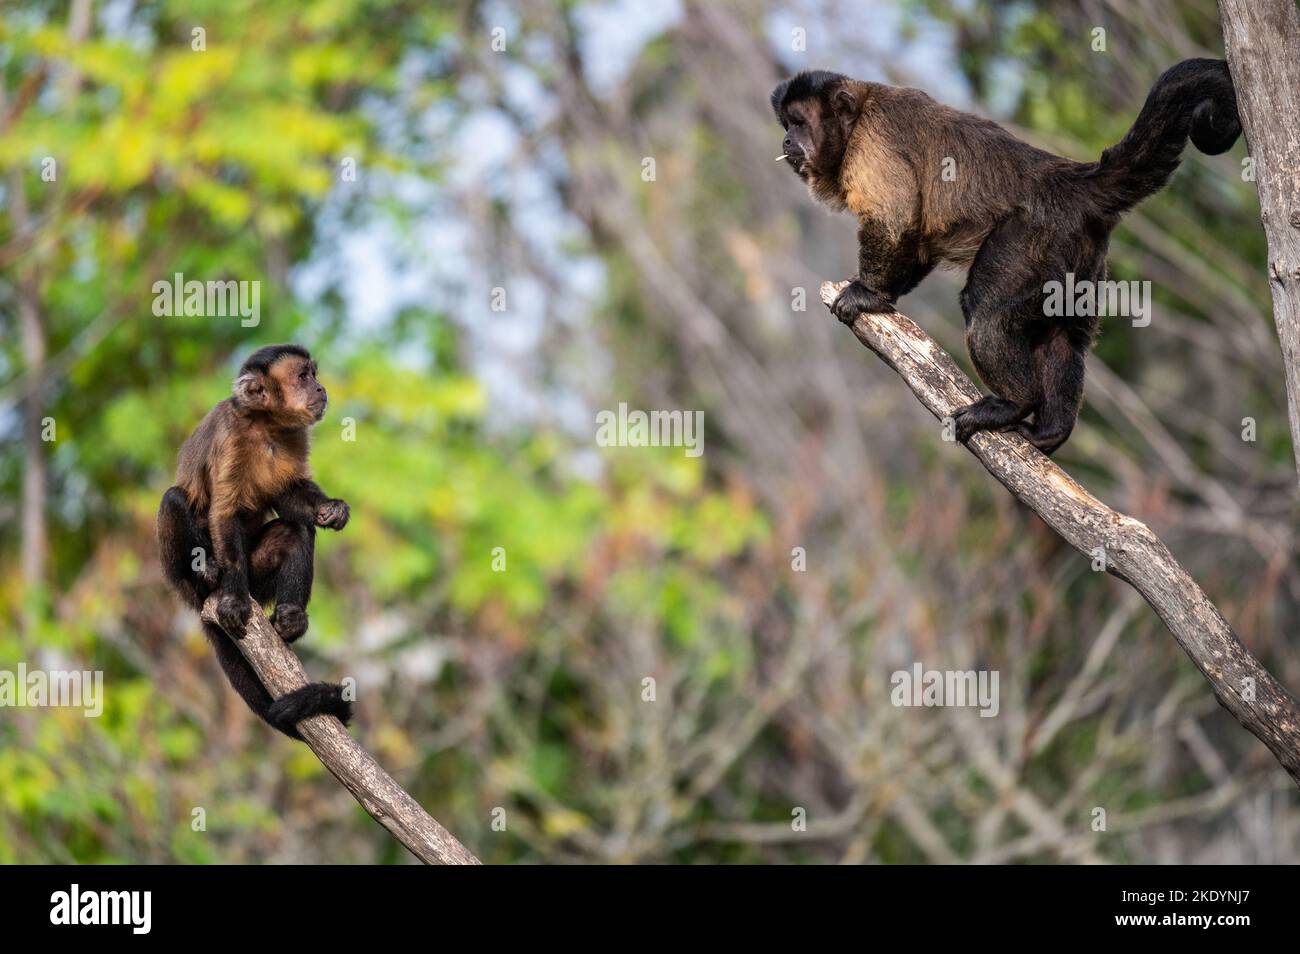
250,390
844,101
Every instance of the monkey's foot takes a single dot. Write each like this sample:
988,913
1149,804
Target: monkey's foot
1046,437
232,613
857,298
333,514
289,620
990,413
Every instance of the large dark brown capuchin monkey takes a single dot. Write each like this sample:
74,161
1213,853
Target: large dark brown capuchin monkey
931,185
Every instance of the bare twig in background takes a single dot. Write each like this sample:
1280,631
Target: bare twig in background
1262,39
386,801
1131,551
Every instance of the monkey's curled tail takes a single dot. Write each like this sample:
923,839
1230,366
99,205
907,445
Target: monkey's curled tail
317,698
1193,100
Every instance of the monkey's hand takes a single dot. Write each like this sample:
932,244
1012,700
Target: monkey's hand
333,514
232,613
857,298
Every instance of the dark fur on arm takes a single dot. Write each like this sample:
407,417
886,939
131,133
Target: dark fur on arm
232,564
305,502
888,268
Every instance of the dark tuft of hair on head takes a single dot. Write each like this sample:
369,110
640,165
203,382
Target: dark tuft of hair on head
262,359
808,84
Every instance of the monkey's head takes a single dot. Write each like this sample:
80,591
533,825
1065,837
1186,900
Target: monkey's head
818,111
279,382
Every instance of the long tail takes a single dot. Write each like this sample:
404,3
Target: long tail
1192,99
285,713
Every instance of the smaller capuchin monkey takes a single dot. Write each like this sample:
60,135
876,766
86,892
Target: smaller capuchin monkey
248,457
931,185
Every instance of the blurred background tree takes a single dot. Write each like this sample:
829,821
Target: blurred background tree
680,654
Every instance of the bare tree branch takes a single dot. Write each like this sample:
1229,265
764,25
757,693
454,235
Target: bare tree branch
387,802
1262,39
1130,549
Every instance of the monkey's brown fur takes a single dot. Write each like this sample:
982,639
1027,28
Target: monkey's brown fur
237,461
247,458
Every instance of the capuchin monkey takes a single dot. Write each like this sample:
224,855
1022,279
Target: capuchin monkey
246,458
1016,217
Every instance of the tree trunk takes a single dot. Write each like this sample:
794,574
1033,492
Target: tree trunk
1262,39
31,330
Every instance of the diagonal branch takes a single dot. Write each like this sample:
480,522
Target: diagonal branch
1131,551
387,802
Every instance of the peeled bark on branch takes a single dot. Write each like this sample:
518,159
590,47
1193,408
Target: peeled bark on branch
387,802
1130,549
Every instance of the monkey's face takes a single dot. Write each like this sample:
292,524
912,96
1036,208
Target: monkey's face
804,139
818,112
287,391
304,397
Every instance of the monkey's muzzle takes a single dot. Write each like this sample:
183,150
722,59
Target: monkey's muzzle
794,155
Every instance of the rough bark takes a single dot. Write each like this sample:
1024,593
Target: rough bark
1130,549
387,802
1262,39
